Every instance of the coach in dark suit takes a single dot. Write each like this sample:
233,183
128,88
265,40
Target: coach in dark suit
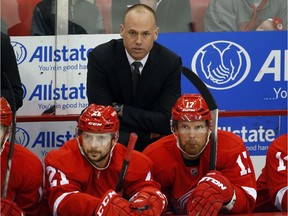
147,112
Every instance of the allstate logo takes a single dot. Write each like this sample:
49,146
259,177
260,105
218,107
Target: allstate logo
221,64
22,137
20,51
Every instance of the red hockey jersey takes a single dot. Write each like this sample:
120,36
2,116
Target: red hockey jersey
272,183
74,187
26,178
178,180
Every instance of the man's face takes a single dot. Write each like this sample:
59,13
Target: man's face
97,147
192,136
139,33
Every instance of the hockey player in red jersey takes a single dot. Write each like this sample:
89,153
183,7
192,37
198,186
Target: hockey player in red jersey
24,189
272,185
181,164
82,175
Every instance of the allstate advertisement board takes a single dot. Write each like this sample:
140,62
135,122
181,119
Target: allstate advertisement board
244,71
53,71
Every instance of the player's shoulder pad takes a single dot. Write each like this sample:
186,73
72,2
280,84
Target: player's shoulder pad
164,147
66,157
141,158
278,145
25,153
26,163
165,144
228,141
138,162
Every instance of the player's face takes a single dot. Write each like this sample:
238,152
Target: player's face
192,136
3,130
139,33
97,147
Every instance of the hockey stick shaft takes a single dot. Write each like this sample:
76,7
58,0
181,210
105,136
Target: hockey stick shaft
132,140
208,97
12,140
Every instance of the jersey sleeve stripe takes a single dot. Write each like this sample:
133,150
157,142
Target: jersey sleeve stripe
251,191
58,201
279,197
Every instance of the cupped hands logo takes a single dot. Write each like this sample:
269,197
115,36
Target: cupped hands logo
20,51
22,137
221,64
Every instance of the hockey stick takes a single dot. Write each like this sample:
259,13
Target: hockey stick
12,140
206,94
132,140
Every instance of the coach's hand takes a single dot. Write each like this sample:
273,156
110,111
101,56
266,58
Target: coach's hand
112,204
9,208
213,192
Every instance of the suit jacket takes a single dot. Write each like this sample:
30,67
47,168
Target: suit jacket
149,111
9,67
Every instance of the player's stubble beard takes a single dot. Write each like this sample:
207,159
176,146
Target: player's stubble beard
102,158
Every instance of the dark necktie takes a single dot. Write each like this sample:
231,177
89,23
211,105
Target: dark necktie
135,75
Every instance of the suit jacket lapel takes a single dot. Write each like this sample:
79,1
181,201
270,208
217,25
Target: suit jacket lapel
123,71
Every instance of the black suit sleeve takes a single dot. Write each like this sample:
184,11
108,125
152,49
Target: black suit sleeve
10,68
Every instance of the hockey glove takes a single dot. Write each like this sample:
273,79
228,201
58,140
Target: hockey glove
112,204
149,201
9,208
213,192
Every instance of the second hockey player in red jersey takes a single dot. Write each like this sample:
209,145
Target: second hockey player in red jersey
181,164
81,176
272,184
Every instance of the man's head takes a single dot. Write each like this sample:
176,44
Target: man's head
139,30
98,128
6,120
191,125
